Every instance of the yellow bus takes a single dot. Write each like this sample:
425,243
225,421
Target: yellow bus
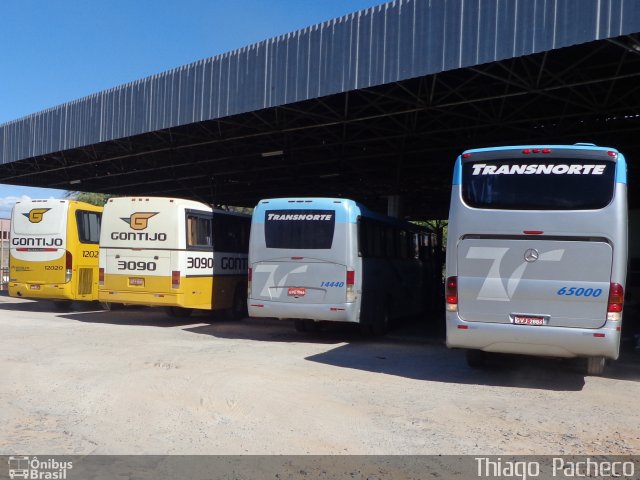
174,253
54,250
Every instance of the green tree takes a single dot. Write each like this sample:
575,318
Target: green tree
98,199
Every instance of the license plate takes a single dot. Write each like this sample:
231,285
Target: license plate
136,281
34,287
528,320
297,292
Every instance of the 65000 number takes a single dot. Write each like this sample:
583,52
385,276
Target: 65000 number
580,292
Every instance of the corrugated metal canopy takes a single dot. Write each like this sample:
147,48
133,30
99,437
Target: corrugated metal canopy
371,85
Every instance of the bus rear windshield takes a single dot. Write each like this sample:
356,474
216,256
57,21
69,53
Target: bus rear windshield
549,184
299,229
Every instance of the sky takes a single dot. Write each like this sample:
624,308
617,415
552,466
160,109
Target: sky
56,51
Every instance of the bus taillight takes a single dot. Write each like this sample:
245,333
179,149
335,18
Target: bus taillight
351,280
68,265
249,278
175,279
451,293
101,276
615,302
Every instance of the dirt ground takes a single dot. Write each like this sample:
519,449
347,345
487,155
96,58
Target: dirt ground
136,382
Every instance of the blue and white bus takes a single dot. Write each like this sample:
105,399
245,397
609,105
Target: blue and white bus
537,252
332,259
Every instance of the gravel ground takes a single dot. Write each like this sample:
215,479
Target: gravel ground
136,382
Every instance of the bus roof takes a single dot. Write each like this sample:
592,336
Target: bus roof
576,146
352,209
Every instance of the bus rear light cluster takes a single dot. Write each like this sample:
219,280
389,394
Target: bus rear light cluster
615,302
351,290
101,276
68,260
249,279
175,279
451,294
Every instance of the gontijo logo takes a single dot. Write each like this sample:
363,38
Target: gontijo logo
139,220
36,215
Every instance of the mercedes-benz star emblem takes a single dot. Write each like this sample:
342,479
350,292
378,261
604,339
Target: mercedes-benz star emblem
531,255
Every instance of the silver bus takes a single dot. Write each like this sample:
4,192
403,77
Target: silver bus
331,259
537,252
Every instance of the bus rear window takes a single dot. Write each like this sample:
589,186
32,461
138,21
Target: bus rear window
544,184
299,229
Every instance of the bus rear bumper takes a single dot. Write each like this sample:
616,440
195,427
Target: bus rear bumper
534,340
339,312
48,291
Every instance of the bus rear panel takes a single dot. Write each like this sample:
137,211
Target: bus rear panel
537,251
303,263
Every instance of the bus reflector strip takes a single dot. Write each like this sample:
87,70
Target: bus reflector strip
259,305
463,327
532,232
297,258
335,309
599,335
175,279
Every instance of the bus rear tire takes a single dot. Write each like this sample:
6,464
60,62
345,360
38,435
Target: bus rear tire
476,358
238,309
595,365
178,312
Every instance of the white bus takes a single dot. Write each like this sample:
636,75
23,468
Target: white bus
175,253
537,252
331,259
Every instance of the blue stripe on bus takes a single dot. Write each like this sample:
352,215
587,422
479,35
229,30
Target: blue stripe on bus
457,172
343,215
621,169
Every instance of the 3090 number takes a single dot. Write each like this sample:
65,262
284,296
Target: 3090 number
580,292
139,266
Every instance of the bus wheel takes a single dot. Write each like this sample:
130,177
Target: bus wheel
382,322
178,312
301,325
476,358
238,309
63,305
595,365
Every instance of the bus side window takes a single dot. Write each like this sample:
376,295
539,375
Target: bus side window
198,231
231,233
88,226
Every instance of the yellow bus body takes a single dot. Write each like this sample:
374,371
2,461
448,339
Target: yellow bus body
146,257
48,258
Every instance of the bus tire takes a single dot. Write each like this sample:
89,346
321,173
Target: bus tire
595,365
238,309
382,322
301,325
63,305
476,358
178,312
